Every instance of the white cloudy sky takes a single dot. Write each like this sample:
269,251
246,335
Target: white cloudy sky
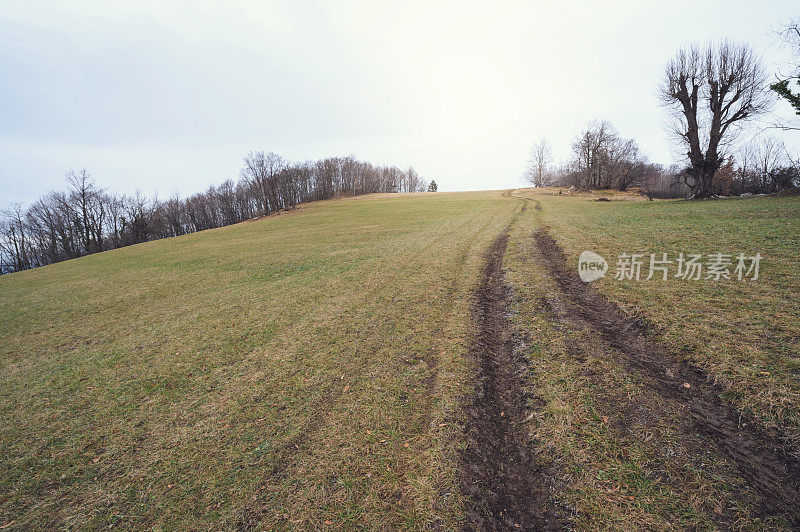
168,96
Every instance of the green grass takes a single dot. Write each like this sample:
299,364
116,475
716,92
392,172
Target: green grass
291,371
620,458
307,370
746,334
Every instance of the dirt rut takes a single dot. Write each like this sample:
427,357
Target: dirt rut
500,475
763,457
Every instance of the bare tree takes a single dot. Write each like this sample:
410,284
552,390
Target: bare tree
769,156
137,214
83,190
263,170
14,239
538,171
412,180
710,91
591,149
626,166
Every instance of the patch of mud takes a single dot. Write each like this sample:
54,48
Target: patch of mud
503,481
763,457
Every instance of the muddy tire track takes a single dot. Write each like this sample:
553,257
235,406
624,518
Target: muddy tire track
764,458
506,487
669,447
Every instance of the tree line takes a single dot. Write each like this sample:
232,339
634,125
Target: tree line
86,218
601,159
711,93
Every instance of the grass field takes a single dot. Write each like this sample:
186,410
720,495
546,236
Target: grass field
293,370
745,334
621,456
310,369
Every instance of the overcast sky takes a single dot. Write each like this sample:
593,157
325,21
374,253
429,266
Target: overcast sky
167,97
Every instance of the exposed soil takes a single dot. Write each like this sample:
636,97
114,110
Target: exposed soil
763,457
506,487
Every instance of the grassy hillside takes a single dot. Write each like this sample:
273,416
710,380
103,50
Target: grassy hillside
621,453
744,333
311,369
295,370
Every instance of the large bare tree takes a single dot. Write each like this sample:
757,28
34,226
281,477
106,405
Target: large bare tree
712,91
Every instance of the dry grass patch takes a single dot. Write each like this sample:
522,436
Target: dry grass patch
745,334
286,372
619,455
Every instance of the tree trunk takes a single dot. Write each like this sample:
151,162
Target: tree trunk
705,183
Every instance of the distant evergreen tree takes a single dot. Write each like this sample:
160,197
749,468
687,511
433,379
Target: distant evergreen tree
433,187
783,90
790,34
